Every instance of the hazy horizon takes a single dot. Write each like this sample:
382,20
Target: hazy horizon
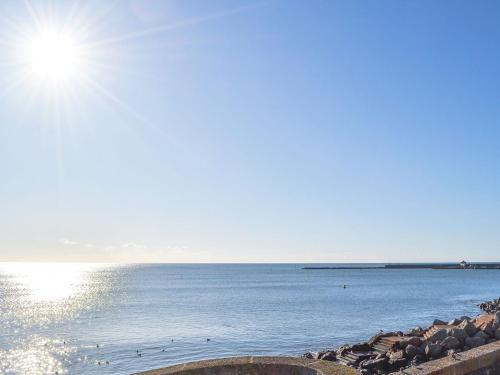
250,131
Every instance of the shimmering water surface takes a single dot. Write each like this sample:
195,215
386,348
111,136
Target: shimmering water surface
110,319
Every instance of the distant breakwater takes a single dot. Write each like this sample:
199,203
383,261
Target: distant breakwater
433,266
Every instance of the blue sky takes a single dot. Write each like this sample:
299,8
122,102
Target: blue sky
255,131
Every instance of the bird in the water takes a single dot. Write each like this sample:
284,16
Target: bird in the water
172,340
137,351
97,346
163,350
99,363
140,355
208,340
107,362
344,286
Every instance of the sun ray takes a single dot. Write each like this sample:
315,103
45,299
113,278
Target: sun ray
167,27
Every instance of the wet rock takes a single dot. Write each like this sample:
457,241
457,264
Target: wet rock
468,327
403,344
433,350
366,371
491,341
329,355
451,342
458,333
474,342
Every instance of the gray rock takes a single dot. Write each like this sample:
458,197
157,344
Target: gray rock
311,355
497,333
465,317
374,363
433,350
488,329
474,342
417,331
482,335
398,363
412,351
451,342
403,344
438,322
328,356
438,335
468,327
454,322
497,317
491,341
418,359
415,341
361,347
396,355
458,333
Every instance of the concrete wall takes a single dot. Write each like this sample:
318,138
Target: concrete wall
256,366
484,360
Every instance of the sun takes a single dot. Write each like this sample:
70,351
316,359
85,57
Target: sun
54,56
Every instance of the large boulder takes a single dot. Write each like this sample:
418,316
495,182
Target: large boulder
415,341
396,355
474,342
417,331
468,327
433,350
452,342
311,355
418,359
329,355
412,351
438,335
488,329
482,335
497,317
361,347
497,333
458,333
438,322
374,363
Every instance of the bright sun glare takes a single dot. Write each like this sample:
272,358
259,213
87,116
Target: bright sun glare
54,56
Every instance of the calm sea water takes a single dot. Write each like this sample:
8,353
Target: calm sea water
69,317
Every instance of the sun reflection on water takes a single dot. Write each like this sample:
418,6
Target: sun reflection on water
35,299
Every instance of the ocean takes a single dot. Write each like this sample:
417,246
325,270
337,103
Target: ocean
70,318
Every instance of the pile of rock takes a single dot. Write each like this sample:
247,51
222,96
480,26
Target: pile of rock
388,352
490,307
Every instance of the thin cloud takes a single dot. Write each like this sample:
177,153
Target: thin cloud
133,245
68,242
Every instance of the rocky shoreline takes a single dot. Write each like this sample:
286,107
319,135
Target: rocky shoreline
395,351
